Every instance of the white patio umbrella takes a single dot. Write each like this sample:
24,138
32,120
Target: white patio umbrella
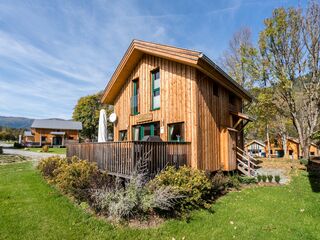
103,130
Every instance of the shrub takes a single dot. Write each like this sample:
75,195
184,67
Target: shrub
264,178
259,178
49,166
17,145
45,148
247,180
219,183
304,161
77,177
270,177
1,150
277,178
190,183
233,181
134,199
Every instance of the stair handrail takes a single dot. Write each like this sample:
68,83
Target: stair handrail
246,154
249,161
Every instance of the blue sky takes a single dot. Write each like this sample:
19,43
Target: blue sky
53,52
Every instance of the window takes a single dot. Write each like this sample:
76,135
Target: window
176,132
155,87
215,89
136,133
43,138
135,98
123,135
150,129
232,99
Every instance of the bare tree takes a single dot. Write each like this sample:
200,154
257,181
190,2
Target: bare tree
235,58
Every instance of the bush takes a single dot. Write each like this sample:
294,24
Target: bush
45,148
77,177
304,161
277,178
190,183
17,145
132,200
247,180
259,178
264,178
233,181
49,166
1,150
270,177
219,183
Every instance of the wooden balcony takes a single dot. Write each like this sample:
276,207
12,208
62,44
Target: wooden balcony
121,158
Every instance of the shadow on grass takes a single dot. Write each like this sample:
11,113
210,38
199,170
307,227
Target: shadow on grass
314,176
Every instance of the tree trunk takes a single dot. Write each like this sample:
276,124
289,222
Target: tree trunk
284,145
305,148
268,142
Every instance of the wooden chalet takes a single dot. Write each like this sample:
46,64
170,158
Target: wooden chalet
182,97
255,148
293,148
52,132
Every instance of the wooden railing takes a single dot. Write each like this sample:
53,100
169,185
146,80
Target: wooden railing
120,158
245,163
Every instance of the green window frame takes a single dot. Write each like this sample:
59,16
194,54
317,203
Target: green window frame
138,131
123,135
135,98
175,128
155,90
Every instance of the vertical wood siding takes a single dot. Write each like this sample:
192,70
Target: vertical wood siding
186,95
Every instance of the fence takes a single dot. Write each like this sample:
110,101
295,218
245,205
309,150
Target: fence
121,158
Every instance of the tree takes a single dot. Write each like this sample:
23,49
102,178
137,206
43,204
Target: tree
87,111
290,46
240,59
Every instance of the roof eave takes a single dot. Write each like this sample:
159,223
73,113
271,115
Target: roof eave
245,94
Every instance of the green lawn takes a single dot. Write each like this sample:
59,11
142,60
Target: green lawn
31,209
51,150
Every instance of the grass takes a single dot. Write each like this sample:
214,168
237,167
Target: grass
51,150
31,209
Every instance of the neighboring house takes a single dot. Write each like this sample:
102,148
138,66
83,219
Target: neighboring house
52,132
255,148
179,95
28,137
314,150
277,149
293,148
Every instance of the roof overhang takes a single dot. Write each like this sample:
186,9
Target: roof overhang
192,58
255,141
57,133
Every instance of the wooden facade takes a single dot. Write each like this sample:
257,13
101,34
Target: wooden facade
255,148
314,150
293,148
53,132
46,136
195,96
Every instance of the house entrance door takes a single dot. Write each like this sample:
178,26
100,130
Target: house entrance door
57,141
232,148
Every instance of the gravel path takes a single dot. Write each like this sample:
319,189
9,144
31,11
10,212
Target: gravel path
29,154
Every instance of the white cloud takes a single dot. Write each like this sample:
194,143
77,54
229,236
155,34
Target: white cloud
56,54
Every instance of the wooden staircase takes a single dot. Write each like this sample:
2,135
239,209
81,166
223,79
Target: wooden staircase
245,163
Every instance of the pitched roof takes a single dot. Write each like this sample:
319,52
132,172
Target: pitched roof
56,124
255,141
192,58
27,134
